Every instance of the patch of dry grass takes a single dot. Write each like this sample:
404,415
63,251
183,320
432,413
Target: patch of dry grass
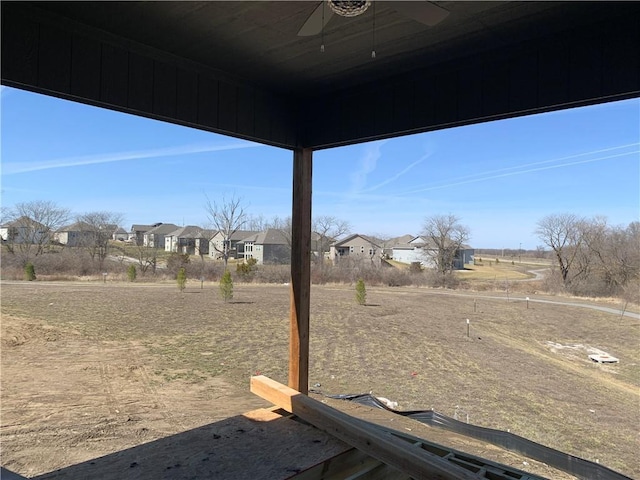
407,344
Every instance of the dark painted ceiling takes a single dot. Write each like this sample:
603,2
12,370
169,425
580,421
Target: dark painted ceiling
257,41
254,47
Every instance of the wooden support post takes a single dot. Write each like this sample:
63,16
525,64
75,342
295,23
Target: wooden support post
370,439
300,271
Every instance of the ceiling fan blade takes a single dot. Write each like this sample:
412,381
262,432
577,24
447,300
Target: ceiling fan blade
423,11
314,24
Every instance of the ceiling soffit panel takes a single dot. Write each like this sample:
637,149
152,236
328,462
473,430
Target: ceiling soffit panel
50,54
591,64
239,68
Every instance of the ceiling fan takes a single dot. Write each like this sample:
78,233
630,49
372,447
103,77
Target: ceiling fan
423,11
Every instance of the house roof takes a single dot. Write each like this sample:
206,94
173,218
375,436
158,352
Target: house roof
75,227
354,236
142,228
270,236
21,222
239,235
162,229
190,231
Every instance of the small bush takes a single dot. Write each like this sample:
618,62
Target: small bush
273,274
175,262
415,267
132,273
181,279
246,270
226,286
361,292
29,272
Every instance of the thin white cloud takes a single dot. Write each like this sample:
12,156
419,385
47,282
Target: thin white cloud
368,163
519,172
12,168
523,169
397,175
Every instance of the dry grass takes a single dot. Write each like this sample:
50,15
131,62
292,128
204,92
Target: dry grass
407,344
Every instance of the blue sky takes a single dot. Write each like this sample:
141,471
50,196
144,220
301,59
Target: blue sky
499,178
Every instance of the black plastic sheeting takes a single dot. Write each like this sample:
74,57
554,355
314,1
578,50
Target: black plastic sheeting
576,466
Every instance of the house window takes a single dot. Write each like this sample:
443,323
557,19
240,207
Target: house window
371,251
362,249
350,249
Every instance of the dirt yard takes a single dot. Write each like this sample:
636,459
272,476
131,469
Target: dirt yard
89,369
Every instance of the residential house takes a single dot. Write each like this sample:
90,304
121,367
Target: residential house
236,245
388,244
24,230
464,256
356,247
182,240
82,234
420,249
155,238
75,235
136,235
270,246
410,249
202,241
120,234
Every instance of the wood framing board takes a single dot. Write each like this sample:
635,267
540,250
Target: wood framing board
352,464
410,459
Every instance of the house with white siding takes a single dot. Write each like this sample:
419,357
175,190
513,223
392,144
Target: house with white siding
24,230
75,235
420,249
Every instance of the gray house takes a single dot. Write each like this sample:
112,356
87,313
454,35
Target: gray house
120,234
236,245
136,235
183,240
270,246
155,238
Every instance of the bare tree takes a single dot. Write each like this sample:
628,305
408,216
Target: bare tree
256,223
383,240
260,223
30,227
447,236
147,258
226,218
613,252
328,229
99,230
563,234
283,225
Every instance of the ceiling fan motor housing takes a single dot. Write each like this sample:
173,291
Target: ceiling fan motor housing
349,8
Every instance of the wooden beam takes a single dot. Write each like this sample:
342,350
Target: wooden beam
351,465
406,457
300,271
